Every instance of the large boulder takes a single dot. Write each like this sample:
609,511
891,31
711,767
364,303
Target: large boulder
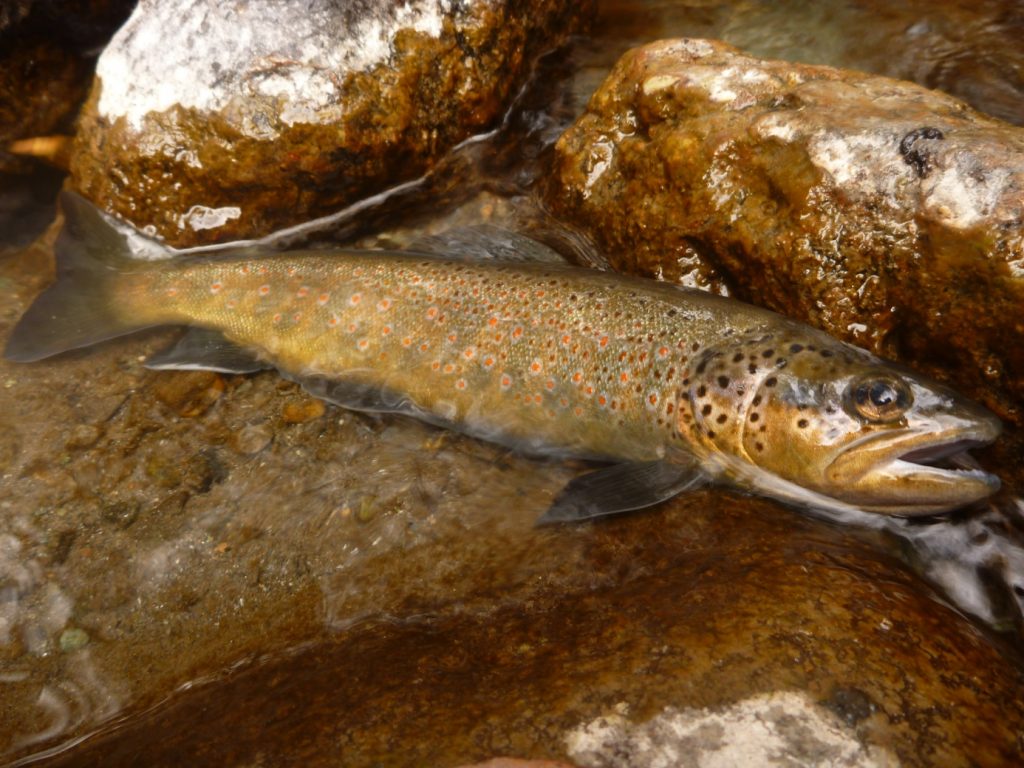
885,213
213,121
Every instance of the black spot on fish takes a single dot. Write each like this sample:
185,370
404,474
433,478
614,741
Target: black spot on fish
752,368
780,362
826,353
771,381
755,416
794,348
802,423
759,446
706,410
757,400
711,434
768,353
737,357
702,390
918,158
702,366
722,418
723,382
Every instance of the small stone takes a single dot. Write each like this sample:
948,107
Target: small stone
189,393
82,436
252,439
73,639
302,411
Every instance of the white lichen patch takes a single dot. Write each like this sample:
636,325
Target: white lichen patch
659,83
961,195
775,729
203,55
868,163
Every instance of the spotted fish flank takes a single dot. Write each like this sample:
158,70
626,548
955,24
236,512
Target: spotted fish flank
671,385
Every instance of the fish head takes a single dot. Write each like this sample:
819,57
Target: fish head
803,417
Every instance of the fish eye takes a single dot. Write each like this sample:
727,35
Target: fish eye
879,399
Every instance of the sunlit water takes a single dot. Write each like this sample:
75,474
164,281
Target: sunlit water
383,513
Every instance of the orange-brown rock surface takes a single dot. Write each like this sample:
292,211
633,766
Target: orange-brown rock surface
885,213
211,121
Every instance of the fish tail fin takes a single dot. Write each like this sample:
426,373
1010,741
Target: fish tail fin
79,308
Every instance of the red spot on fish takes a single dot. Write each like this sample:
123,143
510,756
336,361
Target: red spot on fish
448,368
563,402
296,316
303,292
460,383
624,376
262,270
291,271
386,330
407,342
436,365
539,294
488,362
499,336
652,398
663,352
231,303
469,352
351,327
264,290
492,322
424,347
578,411
550,383
215,287
602,400
355,298
567,339
604,341
363,343
277,317
384,305
517,332
333,321
506,381
577,377
536,366
431,313
322,298
452,337
172,291
538,399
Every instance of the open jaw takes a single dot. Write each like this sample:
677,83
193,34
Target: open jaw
920,473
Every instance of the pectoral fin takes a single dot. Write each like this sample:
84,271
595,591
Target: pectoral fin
621,488
201,349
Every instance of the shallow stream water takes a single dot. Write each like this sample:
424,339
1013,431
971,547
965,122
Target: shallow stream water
226,567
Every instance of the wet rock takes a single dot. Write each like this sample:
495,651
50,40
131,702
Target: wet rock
241,118
886,214
719,627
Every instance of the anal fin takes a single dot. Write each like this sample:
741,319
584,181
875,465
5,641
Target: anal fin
202,349
621,488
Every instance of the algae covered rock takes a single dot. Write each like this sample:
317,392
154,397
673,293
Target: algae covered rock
887,214
214,121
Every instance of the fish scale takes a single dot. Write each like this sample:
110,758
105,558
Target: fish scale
673,386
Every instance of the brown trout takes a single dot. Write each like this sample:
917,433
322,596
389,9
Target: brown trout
666,384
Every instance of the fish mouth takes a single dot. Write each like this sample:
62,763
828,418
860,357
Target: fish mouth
919,472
